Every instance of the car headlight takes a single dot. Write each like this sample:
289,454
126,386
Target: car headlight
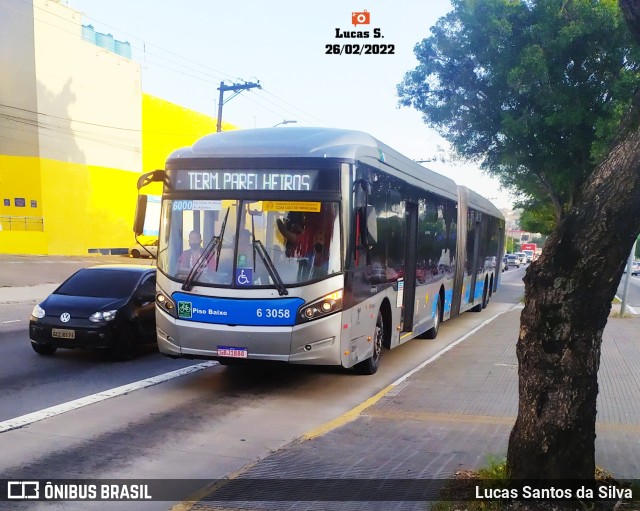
322,307
98,317
37,312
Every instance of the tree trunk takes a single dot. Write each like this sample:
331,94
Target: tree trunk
568,295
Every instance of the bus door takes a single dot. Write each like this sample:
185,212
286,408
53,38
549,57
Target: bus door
476,219
410,261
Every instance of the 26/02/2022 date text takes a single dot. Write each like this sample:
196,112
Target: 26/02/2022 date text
360,49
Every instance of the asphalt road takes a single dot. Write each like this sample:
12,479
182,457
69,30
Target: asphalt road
201,426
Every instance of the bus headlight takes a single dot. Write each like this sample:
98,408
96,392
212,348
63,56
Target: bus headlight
166,304
322,307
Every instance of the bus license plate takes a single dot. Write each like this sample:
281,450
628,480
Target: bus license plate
229,351
62,333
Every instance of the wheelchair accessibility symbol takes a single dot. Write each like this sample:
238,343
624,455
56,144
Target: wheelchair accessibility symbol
244,276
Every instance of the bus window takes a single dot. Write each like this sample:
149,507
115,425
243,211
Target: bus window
298,254
308,244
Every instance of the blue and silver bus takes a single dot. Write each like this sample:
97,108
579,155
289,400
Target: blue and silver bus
319,246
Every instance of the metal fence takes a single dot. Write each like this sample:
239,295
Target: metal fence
21,223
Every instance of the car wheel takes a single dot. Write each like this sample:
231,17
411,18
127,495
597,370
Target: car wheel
43,349
125,346
370,366
135,253
432,333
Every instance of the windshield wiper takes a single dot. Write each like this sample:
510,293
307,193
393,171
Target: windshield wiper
222,229
268,263
271,269
215,244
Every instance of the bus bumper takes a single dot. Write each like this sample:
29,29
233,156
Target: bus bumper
316,342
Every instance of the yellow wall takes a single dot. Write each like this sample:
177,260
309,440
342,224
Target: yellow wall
20,178
85,208
167,127
21,226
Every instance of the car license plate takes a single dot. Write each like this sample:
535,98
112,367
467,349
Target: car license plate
62,333
229,351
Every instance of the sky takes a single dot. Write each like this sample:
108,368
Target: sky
186,49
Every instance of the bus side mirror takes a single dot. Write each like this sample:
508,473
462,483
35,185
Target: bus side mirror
141,212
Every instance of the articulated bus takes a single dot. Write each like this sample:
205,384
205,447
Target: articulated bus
320,246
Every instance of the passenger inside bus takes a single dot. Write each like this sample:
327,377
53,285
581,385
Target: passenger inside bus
189,257
291,229
305,240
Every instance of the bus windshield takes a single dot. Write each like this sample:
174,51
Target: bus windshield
243,243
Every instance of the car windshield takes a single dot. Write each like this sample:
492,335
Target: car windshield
100,283
263,243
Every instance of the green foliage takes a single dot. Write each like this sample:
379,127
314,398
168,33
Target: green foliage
496,468
511,245
537,216
533,88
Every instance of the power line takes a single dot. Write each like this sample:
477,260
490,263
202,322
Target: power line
197,71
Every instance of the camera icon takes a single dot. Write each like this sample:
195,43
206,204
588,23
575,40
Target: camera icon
23,490
360,18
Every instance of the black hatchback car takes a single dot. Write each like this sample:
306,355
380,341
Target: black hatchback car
110,307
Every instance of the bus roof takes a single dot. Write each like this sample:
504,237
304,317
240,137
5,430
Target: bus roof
304,142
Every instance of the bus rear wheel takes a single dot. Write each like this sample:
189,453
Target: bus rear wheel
432,333
370,366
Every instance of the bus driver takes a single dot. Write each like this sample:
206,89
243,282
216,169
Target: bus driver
189,257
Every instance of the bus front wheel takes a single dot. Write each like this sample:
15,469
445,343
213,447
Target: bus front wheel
370,365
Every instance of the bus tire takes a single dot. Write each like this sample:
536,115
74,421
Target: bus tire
135,253
432,333
370,365
485,298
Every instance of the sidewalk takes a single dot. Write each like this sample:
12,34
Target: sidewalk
32,294
450,416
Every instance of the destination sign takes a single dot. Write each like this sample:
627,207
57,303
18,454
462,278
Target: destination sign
273,180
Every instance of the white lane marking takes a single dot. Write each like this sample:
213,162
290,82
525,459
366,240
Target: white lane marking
452,345
11,321
52,411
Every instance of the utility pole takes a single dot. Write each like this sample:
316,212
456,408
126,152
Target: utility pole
237,88
627,278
